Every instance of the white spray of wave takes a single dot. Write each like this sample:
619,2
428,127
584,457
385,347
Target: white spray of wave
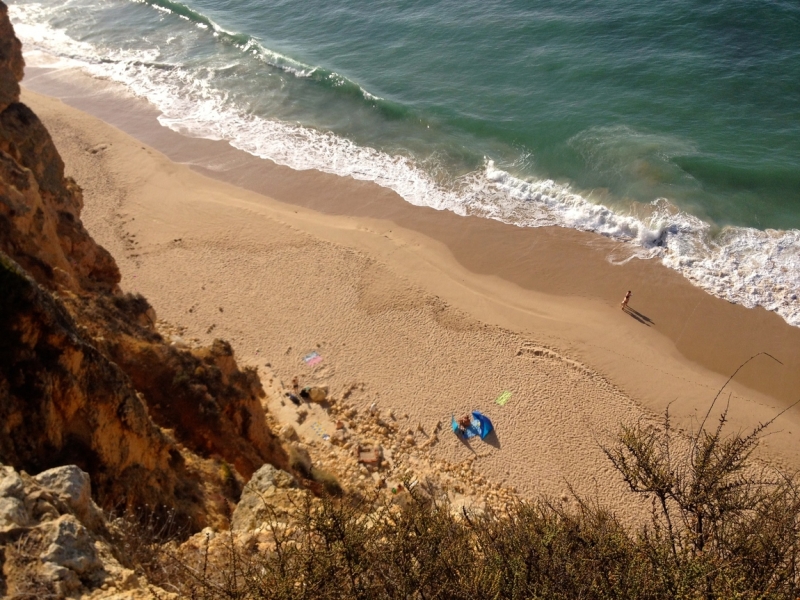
742,265
264,54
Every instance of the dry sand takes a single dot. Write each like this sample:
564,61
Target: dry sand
424,312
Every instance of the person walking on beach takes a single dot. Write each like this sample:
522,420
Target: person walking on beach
625,300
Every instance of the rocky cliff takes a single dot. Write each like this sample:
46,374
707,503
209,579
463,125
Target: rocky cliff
85,378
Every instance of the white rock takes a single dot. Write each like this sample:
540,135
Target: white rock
70,482
287,433
64,580
269,489
317,393
269,476
11,483
75,487
71,547
12,513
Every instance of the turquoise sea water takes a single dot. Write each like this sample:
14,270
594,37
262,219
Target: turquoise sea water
673,126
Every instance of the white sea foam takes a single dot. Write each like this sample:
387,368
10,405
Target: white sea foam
742,265
739,264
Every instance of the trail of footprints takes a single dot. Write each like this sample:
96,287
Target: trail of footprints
532,351
535,352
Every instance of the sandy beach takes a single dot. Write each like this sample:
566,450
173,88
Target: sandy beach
421,311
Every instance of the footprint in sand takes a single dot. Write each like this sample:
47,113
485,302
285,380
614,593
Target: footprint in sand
98,148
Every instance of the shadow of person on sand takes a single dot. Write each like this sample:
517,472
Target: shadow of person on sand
641,316
644,320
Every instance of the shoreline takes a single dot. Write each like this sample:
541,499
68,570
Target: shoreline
457,305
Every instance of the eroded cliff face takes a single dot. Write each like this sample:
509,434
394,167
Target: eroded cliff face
63,402
40,212
40,209
85,378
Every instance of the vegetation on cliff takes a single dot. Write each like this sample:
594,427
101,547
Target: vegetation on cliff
722,527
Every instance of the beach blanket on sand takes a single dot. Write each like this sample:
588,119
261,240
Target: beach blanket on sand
479,426
312,358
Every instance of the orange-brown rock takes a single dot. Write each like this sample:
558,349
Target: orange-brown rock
84,377
213,406
40,223
11,63
63,402
40,210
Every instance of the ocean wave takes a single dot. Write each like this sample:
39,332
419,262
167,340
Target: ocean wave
742,265
189,14
255,48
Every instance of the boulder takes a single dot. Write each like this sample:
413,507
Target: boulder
70,546
287,433
75,488
11,484
315,393
12,495
12,513
46,550
270,495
